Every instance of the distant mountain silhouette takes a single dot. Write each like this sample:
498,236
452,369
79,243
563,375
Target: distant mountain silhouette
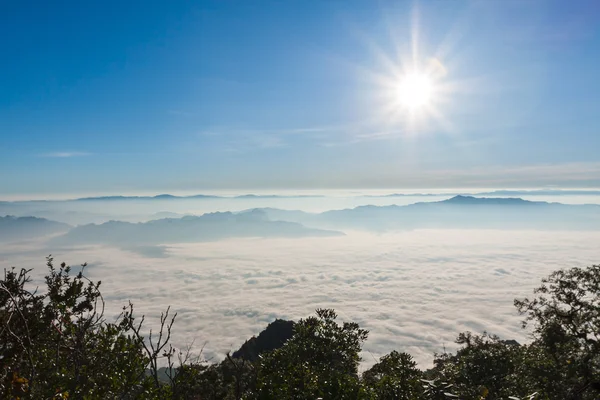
166,214
157,197
166,196
407,195
517,193
470,200
207,227
457,212
541,192
19,228
275,196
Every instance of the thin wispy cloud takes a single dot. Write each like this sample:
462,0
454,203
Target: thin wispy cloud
242,140
227,131
544,173
560,174
367,137
66,154
259,142
356,132
180,113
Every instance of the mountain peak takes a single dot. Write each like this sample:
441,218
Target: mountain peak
470,200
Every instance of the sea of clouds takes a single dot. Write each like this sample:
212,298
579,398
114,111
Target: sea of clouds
414,291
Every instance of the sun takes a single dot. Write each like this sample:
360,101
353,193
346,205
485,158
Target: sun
414,90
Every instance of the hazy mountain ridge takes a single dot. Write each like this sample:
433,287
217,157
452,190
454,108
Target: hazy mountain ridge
457,212
195,196
142,209
16,228
541,192
454,213
167,196
207,227
537,192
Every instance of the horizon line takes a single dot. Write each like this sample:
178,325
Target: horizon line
298,193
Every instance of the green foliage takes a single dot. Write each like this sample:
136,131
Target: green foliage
394,377
319,361
438,390
228,380
566,319
484,367
58,345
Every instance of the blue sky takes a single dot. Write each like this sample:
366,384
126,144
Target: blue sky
131,97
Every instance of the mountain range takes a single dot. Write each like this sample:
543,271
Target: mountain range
18,228
166,196
456,212
207,227
196,196
459,212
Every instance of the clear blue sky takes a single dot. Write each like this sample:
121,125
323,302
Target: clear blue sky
127,97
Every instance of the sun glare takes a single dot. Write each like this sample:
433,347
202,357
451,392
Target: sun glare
414,90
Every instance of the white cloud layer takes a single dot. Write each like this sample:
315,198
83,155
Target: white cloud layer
415,291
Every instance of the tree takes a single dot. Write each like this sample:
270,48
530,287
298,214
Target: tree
484,367
232,379
566,318
319,361
394,377
57,344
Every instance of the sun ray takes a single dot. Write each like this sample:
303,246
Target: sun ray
414,34
414,90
